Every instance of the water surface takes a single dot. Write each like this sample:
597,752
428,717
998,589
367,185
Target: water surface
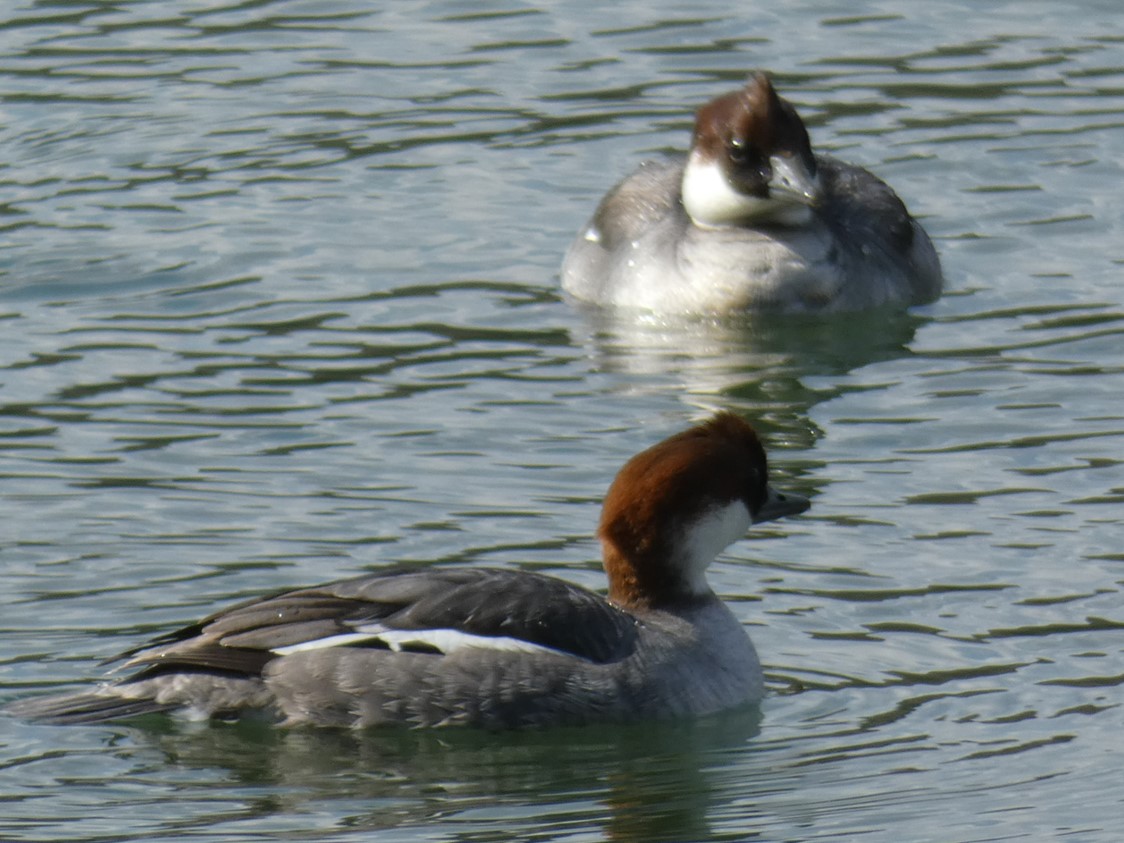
279,304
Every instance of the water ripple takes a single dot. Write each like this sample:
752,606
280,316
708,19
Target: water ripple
278,299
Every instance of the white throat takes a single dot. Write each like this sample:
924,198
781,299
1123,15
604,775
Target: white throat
706,537
711,201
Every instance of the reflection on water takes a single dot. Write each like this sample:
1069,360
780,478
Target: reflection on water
651,782
763,363
279,304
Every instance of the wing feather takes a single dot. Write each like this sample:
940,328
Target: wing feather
489,602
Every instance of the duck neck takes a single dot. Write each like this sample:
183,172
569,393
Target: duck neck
649,583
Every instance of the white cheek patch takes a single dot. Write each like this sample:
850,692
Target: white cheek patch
707,537
710,200
444,641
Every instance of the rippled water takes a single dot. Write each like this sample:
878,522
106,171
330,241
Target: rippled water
278,304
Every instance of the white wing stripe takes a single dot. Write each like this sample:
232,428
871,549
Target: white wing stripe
341,640
444,640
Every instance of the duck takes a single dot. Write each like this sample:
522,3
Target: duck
751,219
487,647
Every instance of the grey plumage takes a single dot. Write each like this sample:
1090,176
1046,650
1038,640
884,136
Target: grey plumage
862,249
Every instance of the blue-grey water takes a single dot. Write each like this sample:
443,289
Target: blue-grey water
279,304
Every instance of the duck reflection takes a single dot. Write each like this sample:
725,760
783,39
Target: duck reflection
764,361
638,782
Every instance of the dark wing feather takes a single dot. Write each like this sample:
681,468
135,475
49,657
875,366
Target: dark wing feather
480,601
863,208
498,602
208,655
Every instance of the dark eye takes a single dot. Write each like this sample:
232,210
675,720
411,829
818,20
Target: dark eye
742,153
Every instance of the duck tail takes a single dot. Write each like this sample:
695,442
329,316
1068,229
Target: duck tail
83,707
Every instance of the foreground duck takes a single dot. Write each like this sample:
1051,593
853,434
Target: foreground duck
490,647
751,219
